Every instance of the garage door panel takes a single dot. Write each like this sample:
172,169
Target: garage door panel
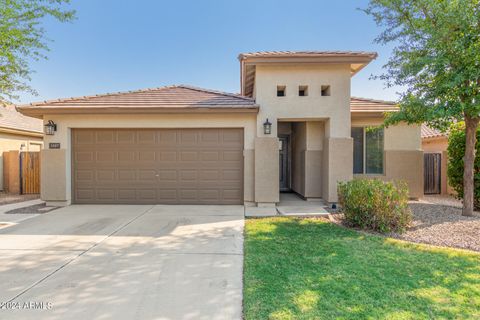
105,175
127,194
158,166
126,137
167,138
231,194
84,137
84,156
105,137
126,156
167,156
147,194
146,137
105,156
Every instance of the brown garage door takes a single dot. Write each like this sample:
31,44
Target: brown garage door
169,166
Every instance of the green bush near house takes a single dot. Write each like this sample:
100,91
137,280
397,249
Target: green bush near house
374,204
456,152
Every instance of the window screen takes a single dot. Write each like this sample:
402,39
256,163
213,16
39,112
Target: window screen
374,151
357,135
367,150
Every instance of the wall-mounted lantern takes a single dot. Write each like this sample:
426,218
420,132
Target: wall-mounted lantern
50,128
267,127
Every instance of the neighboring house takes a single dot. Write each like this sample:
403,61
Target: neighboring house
434,145
290,129
18,133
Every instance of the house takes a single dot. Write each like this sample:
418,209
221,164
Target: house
293,128
17,133
435,144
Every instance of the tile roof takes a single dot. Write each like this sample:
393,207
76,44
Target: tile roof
308,54
168,96
12,119
428,132
371,105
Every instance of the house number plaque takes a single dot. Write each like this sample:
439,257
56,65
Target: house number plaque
54,145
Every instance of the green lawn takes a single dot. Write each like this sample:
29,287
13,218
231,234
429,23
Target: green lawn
309,269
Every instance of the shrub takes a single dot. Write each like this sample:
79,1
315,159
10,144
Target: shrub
456,152
375,204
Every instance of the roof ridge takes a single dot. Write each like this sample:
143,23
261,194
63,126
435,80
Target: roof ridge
228,94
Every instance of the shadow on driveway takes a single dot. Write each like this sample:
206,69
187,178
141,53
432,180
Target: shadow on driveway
125,262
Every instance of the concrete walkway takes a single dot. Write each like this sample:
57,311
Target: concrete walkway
124,262
290,205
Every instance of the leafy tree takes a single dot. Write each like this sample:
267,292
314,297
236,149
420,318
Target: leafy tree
437,58
456,150
22,40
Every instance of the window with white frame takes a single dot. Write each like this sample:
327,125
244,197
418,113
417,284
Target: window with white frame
367,150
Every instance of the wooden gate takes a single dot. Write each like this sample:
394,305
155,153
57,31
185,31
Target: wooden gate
29,172
432,172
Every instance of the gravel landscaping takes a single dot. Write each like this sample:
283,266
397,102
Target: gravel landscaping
439,221
38,208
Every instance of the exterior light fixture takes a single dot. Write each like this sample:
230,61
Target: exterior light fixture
267,127
50,128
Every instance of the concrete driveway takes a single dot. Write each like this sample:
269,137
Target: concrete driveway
124,262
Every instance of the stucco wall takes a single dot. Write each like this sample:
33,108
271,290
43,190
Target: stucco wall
307,146
266,171
62,157
9,142
335,107
403,155
435,145
319,171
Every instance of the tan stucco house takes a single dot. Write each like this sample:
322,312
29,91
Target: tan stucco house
294,127
17,133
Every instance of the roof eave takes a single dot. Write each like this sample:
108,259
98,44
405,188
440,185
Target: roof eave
369,113
38,112
21,132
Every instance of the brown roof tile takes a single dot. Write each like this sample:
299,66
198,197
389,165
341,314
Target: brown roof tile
12,119
428,132
169,96
371,105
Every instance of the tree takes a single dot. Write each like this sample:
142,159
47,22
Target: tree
436,57
22,40
456,151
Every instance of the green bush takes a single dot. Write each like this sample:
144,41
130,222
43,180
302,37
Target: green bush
456,152
375,204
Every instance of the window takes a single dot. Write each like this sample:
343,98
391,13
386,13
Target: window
303,91
367,150
325,91
281,91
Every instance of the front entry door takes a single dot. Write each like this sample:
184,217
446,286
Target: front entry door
284,163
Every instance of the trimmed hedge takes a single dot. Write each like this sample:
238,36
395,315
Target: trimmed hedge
376,205
456,152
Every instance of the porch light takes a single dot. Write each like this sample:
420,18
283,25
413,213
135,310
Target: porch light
267,127
50,128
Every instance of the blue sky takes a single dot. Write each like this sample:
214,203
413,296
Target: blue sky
119,45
